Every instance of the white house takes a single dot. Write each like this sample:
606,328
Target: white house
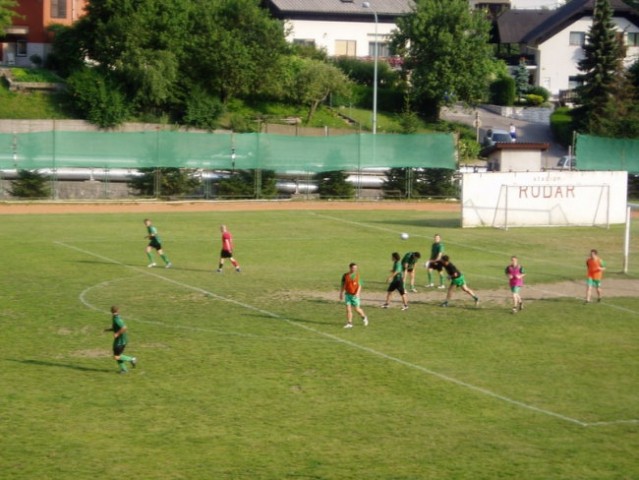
553,39
341,27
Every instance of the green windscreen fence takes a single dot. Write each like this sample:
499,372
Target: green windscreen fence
215,151
599,153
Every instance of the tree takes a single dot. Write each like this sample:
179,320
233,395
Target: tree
248,184
30,184
164,181
334,185
446,52
522,79
7,13
310,82
602,66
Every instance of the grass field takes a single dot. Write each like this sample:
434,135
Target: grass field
251,375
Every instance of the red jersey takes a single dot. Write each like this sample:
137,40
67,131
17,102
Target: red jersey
227,241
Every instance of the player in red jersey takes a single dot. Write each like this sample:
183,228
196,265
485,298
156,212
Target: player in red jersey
227,250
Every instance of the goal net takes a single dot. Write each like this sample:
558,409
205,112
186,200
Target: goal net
520,199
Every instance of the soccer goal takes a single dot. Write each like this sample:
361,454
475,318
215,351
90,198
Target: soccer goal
521,199
631,212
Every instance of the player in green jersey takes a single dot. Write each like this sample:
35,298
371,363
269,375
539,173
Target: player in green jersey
408,263
434,263
396,282
154,243
120,340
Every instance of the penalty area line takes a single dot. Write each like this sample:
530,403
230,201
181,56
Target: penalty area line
357,346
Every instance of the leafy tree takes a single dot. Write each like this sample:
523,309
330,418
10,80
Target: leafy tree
30,184
67,54
310,82
7,13
97,98
446,52
435,182
601,66
503,91
398,182
164,182
202,109
334,185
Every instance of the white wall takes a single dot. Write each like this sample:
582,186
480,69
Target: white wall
326,33
557,59
536,4
543,198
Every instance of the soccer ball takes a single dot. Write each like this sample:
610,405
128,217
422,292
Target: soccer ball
403,236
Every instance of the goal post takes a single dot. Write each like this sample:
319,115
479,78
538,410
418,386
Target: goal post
627,236
519,199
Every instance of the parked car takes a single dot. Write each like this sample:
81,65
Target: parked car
496,136
567,162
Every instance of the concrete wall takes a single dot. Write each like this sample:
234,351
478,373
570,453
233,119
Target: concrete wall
543,198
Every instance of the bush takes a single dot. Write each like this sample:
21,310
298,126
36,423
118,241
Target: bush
541,91
202,110
96,99
172,181
242,184
30,184
334,185
534,100
562,125
502,91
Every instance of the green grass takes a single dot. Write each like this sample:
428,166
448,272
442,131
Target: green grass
251,375
34,75
30,105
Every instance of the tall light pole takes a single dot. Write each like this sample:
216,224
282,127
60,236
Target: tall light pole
376,57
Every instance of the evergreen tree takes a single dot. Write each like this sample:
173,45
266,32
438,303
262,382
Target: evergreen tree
30,184
601,66
522,79
334,185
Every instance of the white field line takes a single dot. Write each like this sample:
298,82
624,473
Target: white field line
359,347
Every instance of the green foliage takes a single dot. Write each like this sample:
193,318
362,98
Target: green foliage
541,91
534,100
601,67
164,182
30,184
436,182
7,14
96,98
468,149
34,75
398,183
522,79
503,91
244,184
202,110
67,54
334,185
446,51
562,125
362,71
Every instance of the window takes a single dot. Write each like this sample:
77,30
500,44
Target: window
345,48
21,48
58,8
632,39
577,38
304,42
383,49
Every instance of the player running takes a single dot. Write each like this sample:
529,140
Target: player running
516,273
349,292
120,340
154,243
456,280
227,250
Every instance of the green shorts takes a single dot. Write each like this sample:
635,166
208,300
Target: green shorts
515,289
352,300
591,282
459,281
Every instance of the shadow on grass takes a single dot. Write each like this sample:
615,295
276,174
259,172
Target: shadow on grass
43,363
158,267
426,222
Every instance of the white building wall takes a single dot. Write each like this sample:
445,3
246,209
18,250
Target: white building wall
325,34
536,4
558,60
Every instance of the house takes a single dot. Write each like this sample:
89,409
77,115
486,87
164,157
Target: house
515,156
28,34
341,27
551,40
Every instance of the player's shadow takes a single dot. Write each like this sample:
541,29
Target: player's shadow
44,363
158,267
425,223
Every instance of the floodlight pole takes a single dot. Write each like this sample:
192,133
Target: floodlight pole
375,61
